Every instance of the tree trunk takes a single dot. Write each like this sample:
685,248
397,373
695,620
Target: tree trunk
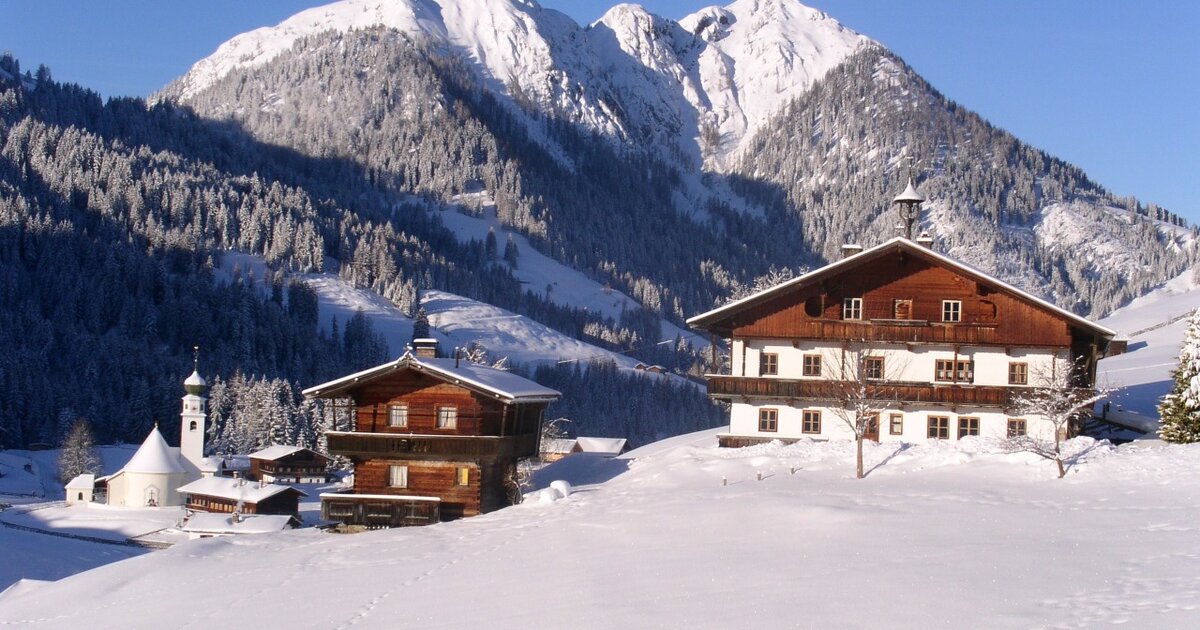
859,441
1062,471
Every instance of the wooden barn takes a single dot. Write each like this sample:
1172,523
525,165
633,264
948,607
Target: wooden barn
289,464
226,494
950,345
433,439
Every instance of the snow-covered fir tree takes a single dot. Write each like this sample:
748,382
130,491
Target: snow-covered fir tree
78,454
1180,409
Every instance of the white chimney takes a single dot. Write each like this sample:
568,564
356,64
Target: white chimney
851,249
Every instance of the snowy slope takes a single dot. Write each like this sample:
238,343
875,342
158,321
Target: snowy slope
980,539
1154,324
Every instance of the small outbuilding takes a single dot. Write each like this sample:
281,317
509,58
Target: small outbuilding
211,525
81,488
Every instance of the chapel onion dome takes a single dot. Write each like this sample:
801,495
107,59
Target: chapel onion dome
909,195
195,384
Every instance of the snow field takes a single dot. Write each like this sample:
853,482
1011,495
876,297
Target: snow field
955,534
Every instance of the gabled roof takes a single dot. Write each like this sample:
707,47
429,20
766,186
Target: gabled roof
82,482
154,456
710,318
481,378
218,523
601,446
277,451
235,489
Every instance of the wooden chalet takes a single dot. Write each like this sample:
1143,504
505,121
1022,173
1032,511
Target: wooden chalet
227,494
951,344
289,464
433,439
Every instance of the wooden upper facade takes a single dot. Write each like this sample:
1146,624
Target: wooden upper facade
903,289
441,436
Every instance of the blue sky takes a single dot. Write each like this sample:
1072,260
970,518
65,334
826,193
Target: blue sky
1112,86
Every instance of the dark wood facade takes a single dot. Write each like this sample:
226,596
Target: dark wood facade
451,469
291,468
285,503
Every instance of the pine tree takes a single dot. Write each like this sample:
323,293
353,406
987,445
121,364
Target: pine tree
78,455
1180,409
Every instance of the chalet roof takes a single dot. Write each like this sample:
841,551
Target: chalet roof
601,446
558,445
487,380
713,317
154,456
276,451
219,523
235,489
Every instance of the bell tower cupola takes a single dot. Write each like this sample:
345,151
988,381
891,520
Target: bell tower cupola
195,411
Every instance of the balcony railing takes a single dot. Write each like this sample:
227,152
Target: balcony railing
369,445
901,392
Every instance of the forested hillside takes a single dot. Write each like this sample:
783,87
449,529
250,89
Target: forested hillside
113,219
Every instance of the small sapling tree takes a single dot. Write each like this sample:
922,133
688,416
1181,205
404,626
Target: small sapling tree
863,388
1057,398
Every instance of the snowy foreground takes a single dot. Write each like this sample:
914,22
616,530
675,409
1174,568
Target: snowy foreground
946,535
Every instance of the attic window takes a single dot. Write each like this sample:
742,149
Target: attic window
447,417
852,308
397,415
952,310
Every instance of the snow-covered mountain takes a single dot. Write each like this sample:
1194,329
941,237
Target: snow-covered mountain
633,74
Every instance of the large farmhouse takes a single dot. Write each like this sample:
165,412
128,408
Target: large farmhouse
949,344
434,439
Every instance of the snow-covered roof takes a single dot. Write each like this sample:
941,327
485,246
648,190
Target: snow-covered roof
211,464
219,523
275,451
85,481
558,445
235,489
601,446
716,314
488,380
195,380
154,456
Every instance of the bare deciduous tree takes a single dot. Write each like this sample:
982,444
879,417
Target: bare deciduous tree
1058,399
864,388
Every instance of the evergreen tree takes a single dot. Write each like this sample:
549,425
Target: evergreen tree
78,455
1180,409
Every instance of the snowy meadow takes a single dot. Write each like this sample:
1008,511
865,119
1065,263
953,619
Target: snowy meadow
681,533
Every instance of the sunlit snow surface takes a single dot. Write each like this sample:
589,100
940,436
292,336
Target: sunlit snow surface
946,535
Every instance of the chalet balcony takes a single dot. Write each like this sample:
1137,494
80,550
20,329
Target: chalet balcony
730,387
358,445
380,511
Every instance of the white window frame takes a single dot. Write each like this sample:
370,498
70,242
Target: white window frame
397,476
952,311
447,417
852,308
397,412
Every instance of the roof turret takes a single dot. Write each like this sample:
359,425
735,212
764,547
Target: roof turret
154,456
909,195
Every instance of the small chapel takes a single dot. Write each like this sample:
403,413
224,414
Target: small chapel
156,471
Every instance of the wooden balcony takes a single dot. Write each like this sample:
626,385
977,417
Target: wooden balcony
729,387
363,446
379,512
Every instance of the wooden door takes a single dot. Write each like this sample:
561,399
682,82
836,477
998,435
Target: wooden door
872,430
902,309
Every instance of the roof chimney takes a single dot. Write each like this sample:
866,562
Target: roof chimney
925,240
425,348
851,249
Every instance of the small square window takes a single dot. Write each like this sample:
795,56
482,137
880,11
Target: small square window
397,415
873,368
398,476
768,364
768,420
447,417
812,365
896,424
951,310
967,426
939,427
852,308
1016,427
810,421
1018,374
